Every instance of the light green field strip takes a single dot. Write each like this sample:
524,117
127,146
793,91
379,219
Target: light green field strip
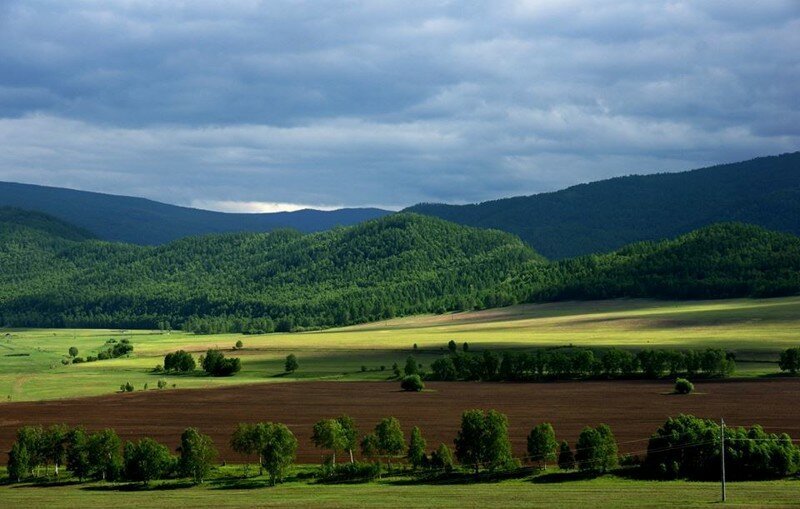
31,369
523,493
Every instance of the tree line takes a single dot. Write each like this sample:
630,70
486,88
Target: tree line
685,447
574,362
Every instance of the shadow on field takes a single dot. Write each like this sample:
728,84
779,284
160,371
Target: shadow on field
141,487
39,484
238,483
560,477
457,478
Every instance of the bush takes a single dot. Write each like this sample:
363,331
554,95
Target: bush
77,360
239,345
683,386
73,351
126,387
412,383
350,472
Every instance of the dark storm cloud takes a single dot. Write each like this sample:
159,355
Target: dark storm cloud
387,103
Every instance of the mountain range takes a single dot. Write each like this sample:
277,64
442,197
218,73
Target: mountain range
601,216
146,222
589,218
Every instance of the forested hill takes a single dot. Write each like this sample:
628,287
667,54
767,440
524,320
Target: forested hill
602,216
47,226
52,275
397,265
146,222
718,261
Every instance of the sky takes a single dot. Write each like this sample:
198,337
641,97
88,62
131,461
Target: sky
277,105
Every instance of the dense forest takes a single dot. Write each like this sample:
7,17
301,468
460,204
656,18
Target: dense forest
601,216
398,265
55,275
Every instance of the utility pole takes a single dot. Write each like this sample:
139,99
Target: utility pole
722,455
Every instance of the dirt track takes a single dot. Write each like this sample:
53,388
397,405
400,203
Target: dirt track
633,409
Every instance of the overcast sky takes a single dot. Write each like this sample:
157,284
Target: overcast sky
251,105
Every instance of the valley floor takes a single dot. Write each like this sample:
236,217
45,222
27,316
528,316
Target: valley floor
755,329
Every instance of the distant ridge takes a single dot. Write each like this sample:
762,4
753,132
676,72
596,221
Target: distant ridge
605,215
146,222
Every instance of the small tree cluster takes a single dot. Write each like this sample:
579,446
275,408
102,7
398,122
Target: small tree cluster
542,444
93,455
338,434
386,441
274,444
687,447
117,349
215,364
482,441
180,361
596,449
790,360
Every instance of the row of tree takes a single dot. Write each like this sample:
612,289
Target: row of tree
101,455
684,447
560,363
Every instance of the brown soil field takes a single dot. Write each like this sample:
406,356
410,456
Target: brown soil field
633,409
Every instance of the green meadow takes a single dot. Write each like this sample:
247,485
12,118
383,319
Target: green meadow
755,329
403,491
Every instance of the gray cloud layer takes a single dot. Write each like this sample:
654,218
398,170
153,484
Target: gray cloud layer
387,103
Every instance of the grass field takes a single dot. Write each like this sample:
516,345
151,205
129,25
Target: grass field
229,491
31,369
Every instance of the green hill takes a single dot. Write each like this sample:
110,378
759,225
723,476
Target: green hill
718,261
606,215
396,265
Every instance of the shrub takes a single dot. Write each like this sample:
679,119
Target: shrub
239,345
126,387
162,383
412,383
351,472
442,458
77,360
291,365
683,386
73,351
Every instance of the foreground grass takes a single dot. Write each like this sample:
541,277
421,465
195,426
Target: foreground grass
31,369
542,491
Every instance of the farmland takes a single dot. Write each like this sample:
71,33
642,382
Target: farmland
633,409
31,360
